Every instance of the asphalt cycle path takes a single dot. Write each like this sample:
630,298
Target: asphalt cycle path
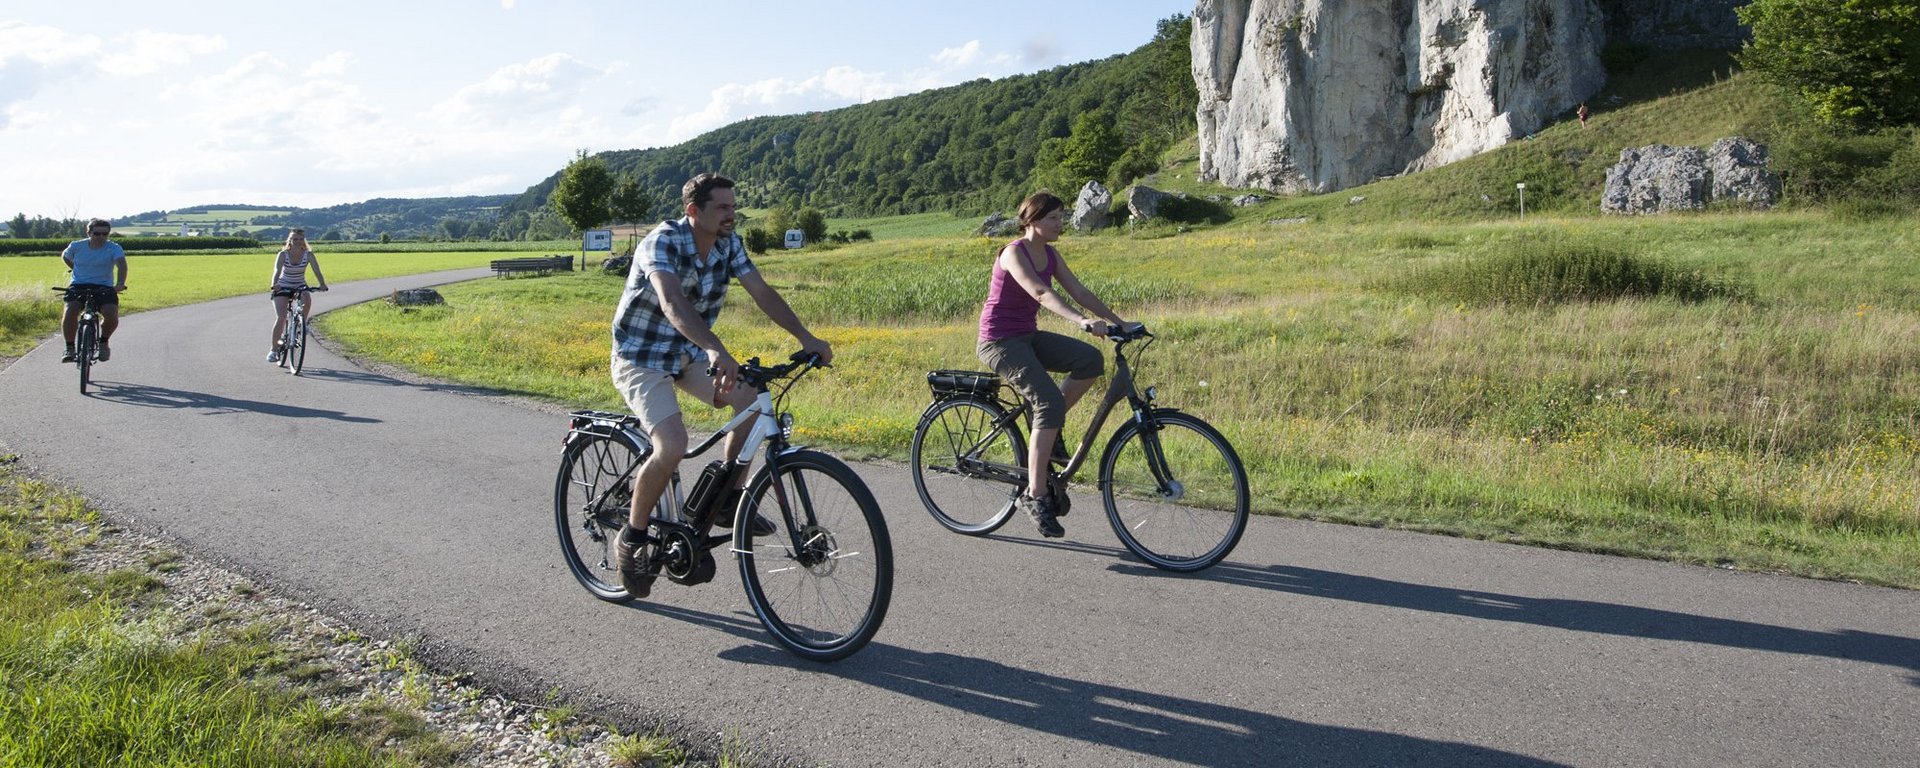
425,510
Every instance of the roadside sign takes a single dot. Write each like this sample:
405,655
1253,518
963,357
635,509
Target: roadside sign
597,240
796,239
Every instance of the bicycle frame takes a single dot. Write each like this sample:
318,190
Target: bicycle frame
766,431
1120,387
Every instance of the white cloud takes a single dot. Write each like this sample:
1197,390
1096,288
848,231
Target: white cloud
524,91
332,65
34,59
959,57
836,87
144,53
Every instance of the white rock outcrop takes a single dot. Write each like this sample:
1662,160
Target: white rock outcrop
1320,95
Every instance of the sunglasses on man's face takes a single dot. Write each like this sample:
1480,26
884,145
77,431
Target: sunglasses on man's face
101,233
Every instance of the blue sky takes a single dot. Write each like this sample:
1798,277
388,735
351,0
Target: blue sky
112,108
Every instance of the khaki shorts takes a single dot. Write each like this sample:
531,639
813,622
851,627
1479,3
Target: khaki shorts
648,392
1024,362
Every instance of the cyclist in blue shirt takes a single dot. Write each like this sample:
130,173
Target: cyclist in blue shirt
100,265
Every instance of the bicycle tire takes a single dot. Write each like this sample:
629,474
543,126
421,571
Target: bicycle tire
1196,521
588,511
297,352
963,502
286,342
822,581
84,352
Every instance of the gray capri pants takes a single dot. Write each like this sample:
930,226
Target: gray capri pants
1023,361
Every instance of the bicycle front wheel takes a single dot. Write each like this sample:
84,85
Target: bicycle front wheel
957,459
590,499
89,345
822,580
1175,491
297,346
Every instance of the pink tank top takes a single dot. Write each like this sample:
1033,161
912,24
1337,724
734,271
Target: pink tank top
1011,311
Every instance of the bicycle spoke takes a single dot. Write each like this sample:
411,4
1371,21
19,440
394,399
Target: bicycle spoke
1175,494
823,588
963,465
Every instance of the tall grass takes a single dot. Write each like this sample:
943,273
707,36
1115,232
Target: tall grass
1555,270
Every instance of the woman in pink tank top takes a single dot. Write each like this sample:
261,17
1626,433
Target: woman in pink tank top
1012,344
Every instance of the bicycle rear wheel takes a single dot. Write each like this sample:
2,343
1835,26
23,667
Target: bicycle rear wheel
590,498
87,347
821,582
1175,491
297,348
952,446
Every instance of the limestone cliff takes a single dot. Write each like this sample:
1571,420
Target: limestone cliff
1319,95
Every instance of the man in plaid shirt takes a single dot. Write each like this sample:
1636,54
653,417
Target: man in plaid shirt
663,338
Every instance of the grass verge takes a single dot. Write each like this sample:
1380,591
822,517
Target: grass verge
116,652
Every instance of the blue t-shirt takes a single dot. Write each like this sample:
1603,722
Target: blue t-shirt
94,266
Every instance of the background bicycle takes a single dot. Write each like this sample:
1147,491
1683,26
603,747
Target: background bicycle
86,338
820,581
293,340
1174,490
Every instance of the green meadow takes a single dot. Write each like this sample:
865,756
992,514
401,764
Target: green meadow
1765,419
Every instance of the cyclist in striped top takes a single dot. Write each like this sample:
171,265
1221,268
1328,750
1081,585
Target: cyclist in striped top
289,278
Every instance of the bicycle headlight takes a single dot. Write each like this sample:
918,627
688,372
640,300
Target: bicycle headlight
1153,393
786,425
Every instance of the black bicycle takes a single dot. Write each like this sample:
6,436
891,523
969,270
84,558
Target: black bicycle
1174,489
820,581
86,338
293,338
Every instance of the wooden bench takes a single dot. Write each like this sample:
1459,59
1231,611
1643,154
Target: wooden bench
531,265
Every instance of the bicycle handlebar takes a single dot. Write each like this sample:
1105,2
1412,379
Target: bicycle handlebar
753,374
1124,335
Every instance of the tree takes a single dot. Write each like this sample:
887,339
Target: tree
757,240
811,222
778,221
1855,62
584,196
453,229
630,202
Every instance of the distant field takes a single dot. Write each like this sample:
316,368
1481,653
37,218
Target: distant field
29,312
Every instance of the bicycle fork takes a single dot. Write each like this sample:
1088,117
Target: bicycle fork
1149,428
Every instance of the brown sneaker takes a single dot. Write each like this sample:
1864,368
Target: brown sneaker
630,561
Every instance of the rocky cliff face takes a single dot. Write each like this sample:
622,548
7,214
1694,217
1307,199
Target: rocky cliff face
1675,23
1318,95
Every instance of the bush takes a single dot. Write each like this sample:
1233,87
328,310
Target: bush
54,245
1193,210
1542,272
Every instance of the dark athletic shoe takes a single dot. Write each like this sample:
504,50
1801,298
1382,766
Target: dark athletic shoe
69,356
104,353
1040,511
630,560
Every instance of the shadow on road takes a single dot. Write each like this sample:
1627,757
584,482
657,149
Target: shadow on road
1573,615
1185,730
147,396
378,380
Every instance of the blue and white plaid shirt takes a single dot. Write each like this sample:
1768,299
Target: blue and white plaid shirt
641,332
